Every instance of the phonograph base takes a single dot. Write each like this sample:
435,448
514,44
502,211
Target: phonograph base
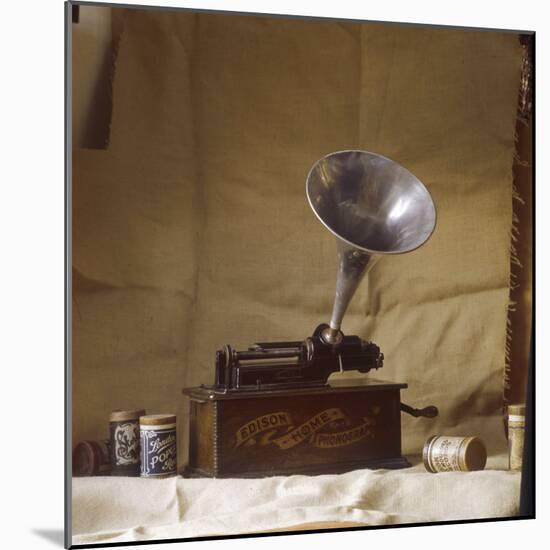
342,426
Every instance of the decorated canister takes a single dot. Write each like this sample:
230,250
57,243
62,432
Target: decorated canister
124,426
92,458
444,453
158,445
516,434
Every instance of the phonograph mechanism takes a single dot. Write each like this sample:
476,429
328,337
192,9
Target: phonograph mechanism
271,410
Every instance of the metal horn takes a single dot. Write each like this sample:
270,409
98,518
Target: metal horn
374,207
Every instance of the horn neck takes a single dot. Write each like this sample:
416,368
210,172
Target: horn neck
353,265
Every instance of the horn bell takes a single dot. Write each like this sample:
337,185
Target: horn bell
374,207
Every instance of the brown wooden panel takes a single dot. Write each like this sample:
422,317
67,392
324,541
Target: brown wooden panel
311,433
201,439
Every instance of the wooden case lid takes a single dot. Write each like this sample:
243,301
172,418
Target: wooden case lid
338,385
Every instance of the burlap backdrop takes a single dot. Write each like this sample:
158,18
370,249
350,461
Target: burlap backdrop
192,229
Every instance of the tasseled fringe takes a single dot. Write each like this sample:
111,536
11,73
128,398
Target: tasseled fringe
515,265
524,111
508,347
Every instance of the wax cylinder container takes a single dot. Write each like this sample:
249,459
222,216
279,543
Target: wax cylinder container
92,458
443,453
124,428
158,445
516,434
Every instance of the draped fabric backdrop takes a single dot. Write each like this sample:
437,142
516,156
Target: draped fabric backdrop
191,228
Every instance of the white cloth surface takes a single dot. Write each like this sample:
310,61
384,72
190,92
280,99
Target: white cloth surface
116,509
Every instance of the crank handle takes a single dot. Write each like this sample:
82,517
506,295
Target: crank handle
427,412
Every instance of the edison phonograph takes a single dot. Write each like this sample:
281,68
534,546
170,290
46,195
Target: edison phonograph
271,409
